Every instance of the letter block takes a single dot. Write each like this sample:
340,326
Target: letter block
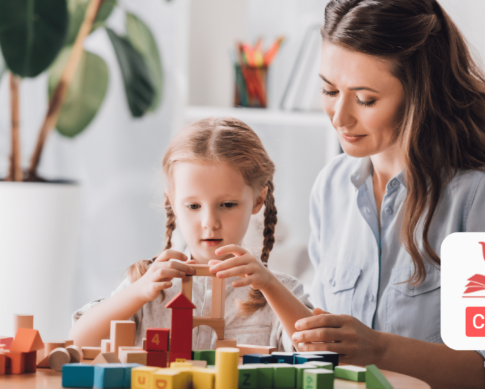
157,339
157,358
142,377
318,379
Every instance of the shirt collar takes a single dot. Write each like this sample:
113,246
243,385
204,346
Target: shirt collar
365,169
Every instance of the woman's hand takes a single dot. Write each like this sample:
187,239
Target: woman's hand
160,274
356,343
243,265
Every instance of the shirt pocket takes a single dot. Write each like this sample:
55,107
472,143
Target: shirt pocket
254,334
414,311
340,280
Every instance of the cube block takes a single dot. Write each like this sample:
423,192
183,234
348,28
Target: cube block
203,378
205,355
77,375
157,339
352,373
142,377
108,375
248,376
318,379
284,375
257,358
157,358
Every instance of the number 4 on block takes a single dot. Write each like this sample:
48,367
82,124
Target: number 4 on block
157,339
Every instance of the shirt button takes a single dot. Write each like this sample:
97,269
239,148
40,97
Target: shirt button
371,297
367,209
388,210
411,287
395,183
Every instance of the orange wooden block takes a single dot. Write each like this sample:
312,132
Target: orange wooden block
27,340
228,342
105,358
90,352
3,362
31,362
122,334
17,362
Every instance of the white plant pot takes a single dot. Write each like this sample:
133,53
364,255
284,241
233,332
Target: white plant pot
39,226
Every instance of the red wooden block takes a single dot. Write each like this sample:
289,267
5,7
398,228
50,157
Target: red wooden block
31,362
181,324
17,362
157,358
3,361
157,339
180,355
6,340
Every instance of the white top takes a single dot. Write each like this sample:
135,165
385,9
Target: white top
262,328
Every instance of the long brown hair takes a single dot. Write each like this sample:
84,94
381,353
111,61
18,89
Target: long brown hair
442,130
230,141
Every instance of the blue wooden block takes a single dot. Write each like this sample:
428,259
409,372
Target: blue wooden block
77,375
328,356
257,358
109,375
280,357
127,375
300,359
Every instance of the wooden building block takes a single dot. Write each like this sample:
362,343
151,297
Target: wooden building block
51,346
349,372
284,375
76,353
279,357
205,355
133,356
59,357
105,346
16,363
252,349
187,287
122,334
157,358
22,321
145,344
318,379
179,356
104,358
181,323
227,342
68,343
6,340
31,362
203,378
299,359
168,379
142,377
185,370
320,365
108,375
90,352
226,368
202,364
77,375
248,376
3,362
3,347
202,271
128,367
218,298
157,339
216,324
258,358
374,379
328,356
27,340
300,369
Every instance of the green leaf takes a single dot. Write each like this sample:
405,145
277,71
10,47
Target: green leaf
77,10
32,33
139,88
144,42
86,92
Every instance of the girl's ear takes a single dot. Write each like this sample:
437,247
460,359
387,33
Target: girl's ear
258,204
171,203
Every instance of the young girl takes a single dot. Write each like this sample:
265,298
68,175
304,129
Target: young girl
218,175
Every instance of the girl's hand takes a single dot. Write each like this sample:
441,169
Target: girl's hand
243,265
356,343
160,274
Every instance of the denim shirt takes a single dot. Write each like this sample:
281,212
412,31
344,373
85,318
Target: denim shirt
359,271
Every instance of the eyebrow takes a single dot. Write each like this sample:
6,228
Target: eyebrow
355,88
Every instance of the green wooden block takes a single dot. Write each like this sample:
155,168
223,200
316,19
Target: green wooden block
374,379
265,375
352,373
318,379
322,365
299,373
248,377
284,375
205,355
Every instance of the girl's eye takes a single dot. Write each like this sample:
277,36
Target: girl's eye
193,206
366,103
329,93
229,205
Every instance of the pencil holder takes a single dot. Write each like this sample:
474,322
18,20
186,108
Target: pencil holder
250,88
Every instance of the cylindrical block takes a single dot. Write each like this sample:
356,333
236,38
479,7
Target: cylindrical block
22,321
76,353
227,359
58,357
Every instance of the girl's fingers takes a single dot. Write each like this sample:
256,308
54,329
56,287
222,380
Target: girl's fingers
191,262
325,320
169,273
229,264
235,271
319,311
319,335
244,282
171,254
183,267
162,285
231,249
214,262
335,347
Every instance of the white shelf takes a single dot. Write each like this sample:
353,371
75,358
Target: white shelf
259,115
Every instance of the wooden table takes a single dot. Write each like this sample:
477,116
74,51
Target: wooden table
50,379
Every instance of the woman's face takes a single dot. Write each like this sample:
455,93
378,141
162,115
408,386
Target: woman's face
362,98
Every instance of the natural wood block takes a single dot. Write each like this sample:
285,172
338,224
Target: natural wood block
145,344
58,357
105,346
122,334
218,298
90,352
105,358
197,363
187,287
27,340
133,356
76,353
250,349
51,346
157,339
216,324
43,363
31,362
15,363
228,342
202,271
68,343
22,321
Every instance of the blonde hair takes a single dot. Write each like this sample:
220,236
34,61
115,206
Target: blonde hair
233,142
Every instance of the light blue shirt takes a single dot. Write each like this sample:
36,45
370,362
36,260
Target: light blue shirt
359,271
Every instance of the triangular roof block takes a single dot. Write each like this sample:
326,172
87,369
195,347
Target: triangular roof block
26,341
374,379
181,302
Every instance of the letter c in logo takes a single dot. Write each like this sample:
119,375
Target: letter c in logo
475,321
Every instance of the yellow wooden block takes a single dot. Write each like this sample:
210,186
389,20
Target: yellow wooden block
203,378
142,377
227,374
185,369
180,365
168,379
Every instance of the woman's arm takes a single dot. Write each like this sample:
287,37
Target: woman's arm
436,364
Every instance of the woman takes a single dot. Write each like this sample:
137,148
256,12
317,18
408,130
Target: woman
408,103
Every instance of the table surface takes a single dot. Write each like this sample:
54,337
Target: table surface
50,379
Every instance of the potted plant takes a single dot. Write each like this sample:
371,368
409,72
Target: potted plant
40,219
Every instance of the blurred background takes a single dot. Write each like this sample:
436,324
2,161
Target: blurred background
116,159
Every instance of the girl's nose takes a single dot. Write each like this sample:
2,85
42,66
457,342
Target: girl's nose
210,221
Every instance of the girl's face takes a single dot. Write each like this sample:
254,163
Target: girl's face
362,98
213,205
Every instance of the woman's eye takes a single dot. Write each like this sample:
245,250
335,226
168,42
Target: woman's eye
366,103
193,206
229,205
329,93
